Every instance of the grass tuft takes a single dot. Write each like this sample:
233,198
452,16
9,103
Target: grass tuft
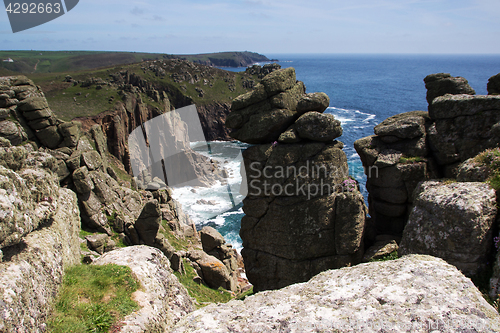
93,299
491,159
202,293
411,159
391,256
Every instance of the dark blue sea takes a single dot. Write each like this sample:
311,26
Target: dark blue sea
364,90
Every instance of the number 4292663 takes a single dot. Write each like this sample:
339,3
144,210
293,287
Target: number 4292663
33,8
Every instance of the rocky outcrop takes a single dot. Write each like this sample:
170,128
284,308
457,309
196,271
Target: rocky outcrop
441,84
415,293
395,160
493,85
28,192
32,270
163,300
262,71
417,146
454,222
303,214
214,245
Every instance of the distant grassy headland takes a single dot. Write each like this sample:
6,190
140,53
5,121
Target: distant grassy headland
30,62
93,91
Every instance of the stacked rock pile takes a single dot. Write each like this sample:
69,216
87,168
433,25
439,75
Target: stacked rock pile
304,214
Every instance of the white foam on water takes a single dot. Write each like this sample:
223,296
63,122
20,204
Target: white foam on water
218,194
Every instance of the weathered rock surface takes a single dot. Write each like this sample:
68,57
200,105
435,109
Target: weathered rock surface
212,270
318,127
13,132
298,222
443,83
211,239
28,195
31,272
417,146
452,221
148,223
260,116
297,238
163,300
214,245
415,293
493,85
471,171
452,106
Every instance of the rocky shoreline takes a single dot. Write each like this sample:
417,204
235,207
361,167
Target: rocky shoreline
305,231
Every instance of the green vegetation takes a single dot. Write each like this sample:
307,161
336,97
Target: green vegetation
391,256
93,299
448,181
179,244
411,159
491,159
244,295
182,81
203,294
61,61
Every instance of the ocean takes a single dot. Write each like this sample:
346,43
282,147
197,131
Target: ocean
363,89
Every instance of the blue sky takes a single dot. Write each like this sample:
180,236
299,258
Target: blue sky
268,27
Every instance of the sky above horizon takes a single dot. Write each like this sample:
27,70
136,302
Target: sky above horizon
268,27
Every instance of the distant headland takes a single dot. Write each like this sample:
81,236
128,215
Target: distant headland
36,61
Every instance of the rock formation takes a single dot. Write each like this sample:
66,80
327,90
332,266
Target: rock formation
417,146
412,294
303,214
441,84
39,224
454,222
163,300
219,266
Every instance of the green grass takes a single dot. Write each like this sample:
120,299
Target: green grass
202,293
179,244
242,296
410,159
93,299
391,256
491,159
62,61
221,86
89,101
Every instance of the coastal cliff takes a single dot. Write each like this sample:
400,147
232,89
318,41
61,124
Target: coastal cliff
59,177
125,98
65,199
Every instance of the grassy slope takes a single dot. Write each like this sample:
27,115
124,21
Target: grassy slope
61,95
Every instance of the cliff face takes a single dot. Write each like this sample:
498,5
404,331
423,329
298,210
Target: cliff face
226,59
163,86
